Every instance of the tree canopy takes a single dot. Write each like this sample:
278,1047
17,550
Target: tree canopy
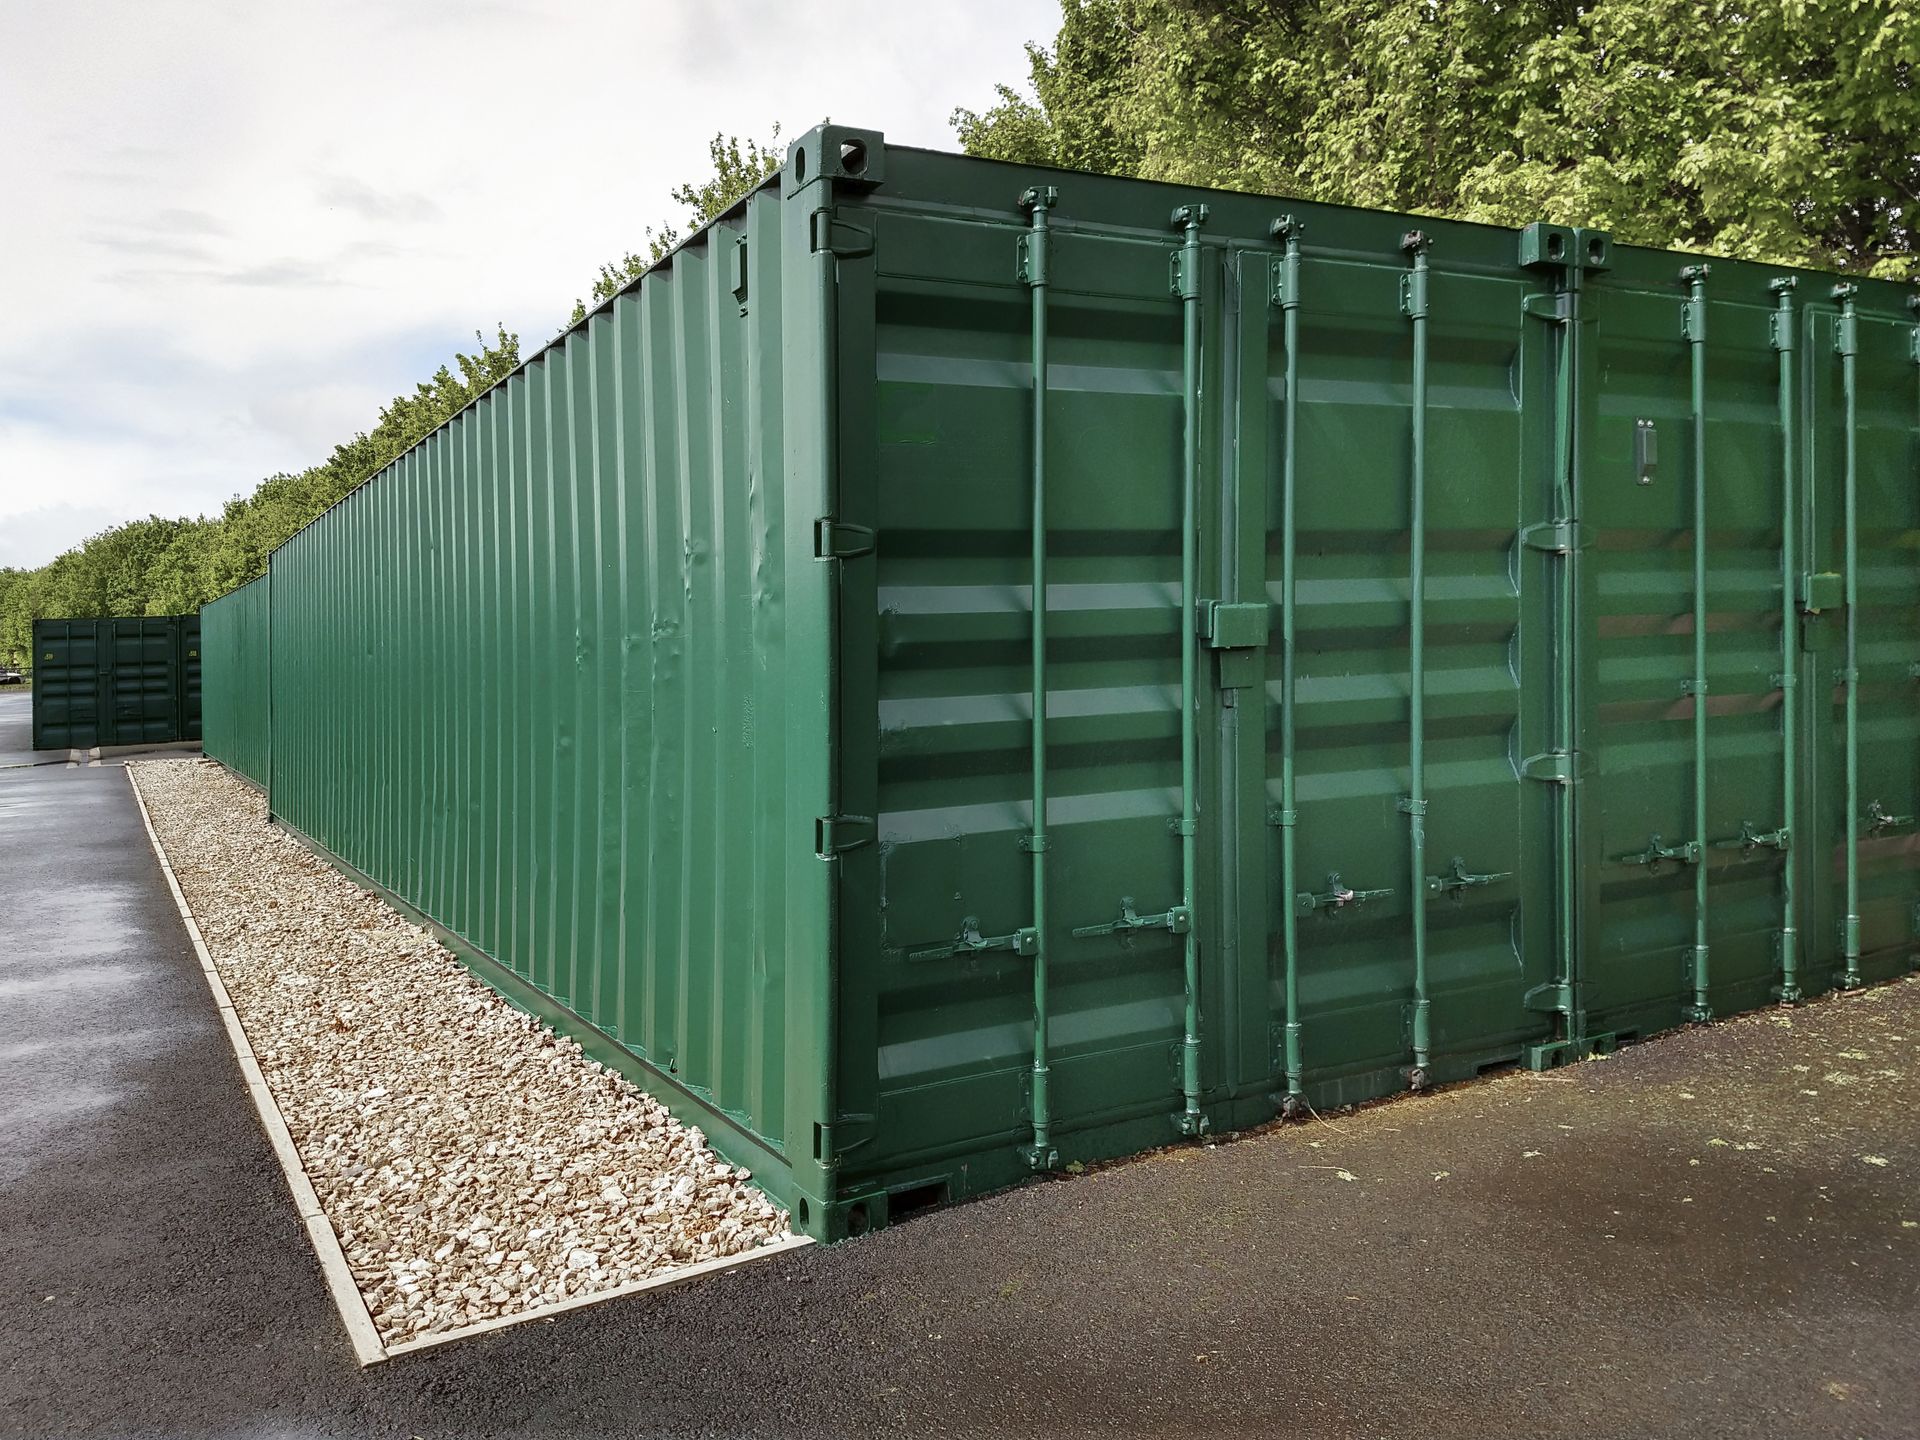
1777,130
161,566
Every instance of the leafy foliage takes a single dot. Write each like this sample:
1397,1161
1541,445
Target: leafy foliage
737,168
159,566
1777,130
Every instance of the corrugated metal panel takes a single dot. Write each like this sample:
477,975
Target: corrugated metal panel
234,636
131,680
534,680
1394,723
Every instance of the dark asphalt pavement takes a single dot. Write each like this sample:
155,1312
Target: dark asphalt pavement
1698,1237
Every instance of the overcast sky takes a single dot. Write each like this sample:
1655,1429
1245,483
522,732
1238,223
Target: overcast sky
233,229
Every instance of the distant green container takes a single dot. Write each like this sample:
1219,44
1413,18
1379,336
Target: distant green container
234,660
1463,647
128,680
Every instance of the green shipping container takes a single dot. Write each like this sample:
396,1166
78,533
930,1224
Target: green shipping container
233,649
1461,647
128,680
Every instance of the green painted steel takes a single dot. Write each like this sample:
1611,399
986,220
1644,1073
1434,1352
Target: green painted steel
235,667
947,676
126,680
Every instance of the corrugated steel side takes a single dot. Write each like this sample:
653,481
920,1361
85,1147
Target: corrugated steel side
688,673
546,679
235,631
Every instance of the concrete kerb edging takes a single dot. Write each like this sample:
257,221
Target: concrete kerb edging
326,1244
367,1345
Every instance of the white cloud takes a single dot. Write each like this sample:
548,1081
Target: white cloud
236,227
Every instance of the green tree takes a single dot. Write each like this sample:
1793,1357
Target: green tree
160,566
738,166
1777,130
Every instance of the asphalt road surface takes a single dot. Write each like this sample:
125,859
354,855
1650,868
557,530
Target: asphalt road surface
1712,1234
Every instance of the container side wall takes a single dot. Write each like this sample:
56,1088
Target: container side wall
533,680
233,644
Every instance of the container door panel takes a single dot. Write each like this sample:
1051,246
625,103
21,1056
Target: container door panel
1885,797
1487,884
953,376
143,683
1638,513
66,685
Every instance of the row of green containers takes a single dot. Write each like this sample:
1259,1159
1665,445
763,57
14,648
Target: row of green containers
129,680
1462,647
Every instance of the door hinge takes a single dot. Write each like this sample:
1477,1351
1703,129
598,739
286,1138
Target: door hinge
740,270
1283,290
1556,307
1846,330
1552,999
847,241
1554,767
1555,537
837,540
836,834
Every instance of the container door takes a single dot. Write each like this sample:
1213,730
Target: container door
938,698
66,685
1684,491
143,682
1876,434
1371,782
188,640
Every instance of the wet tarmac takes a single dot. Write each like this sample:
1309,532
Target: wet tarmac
1713,1234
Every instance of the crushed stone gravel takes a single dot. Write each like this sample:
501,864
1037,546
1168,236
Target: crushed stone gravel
473,1163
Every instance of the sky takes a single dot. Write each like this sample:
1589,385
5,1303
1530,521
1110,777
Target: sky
234,229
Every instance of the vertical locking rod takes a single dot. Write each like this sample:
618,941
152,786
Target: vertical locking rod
1846,345
1188,219
1413,302
1288,229
1037,202
1696,333
1783,340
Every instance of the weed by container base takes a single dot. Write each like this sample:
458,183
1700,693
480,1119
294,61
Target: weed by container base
1455,649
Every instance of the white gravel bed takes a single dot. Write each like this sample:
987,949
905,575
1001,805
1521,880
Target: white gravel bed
473,1163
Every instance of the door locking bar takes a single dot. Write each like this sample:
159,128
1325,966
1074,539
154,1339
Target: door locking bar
1878,819
1750,839
1656,854
1457,879
1336,897
1177,921
1024,941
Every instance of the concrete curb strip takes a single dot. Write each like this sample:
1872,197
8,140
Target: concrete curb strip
333,1261
347,1297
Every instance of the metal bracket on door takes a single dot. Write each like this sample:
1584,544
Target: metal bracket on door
1878,819
1177,920
1456,881
1335,897
1750,839
1024,941
1656,854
